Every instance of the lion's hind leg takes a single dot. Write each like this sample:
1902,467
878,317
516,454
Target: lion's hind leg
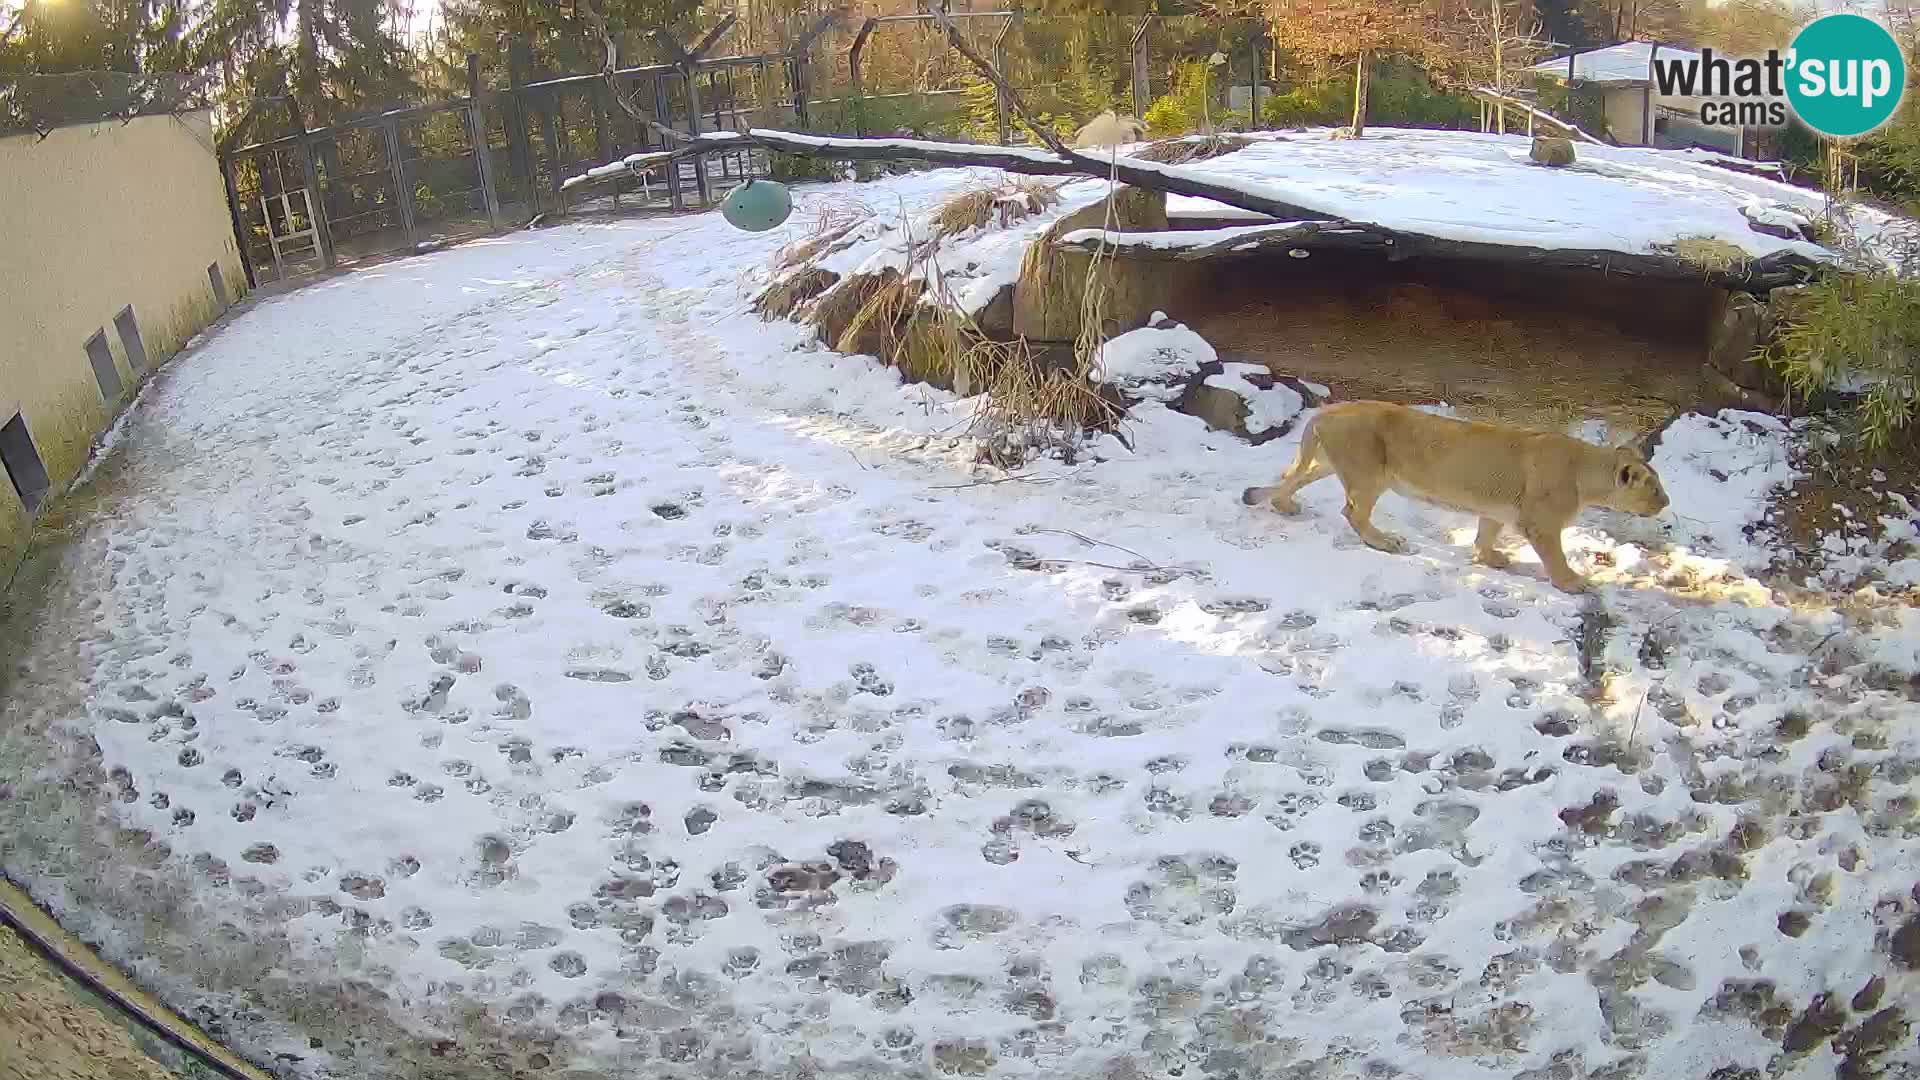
1309,466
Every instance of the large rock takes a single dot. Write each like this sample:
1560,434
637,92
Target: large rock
1740,329
1720,392
1245,399
866,314
996,319
1781,221
1153,363
1787,304
1168,363
1052,286
1551,150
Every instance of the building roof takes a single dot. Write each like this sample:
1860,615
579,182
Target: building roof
1627,64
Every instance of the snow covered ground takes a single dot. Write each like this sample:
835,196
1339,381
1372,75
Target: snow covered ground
521,658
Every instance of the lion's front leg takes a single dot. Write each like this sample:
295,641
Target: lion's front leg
1484,550
1545,539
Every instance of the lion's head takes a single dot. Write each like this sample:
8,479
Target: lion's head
1636,487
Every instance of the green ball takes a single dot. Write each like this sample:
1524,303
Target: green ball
757,205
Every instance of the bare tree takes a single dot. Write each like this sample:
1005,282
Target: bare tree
1501,39
1354,31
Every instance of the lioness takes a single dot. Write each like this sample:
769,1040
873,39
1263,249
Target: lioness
1533,480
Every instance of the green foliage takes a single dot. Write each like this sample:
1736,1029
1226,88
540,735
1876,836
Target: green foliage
1853,328
1399,94
427,203
49,36
1194,100
1187,106
800,169
932,116
1890,158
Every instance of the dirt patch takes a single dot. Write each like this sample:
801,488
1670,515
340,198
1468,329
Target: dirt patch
1542,349
52,1029
1844,492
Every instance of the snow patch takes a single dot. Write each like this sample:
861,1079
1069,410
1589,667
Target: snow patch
1720,473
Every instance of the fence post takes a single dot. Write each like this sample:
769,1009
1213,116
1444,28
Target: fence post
554,150
693,129
674,194
397,169
239,226
602,143
1253,84
801,59
316,199
1141,90
482,152
519,147
602,139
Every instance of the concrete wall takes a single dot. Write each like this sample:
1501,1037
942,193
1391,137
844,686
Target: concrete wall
93,218
1626,115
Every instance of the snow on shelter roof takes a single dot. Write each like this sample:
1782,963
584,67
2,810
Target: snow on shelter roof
1469,186
1629,63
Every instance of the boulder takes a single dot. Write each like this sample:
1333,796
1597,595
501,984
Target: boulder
866,314
996,319
1052,284
1741,328
1720,392
1551,150
1783,222
1787,304
1164,361
1245,399
1153,363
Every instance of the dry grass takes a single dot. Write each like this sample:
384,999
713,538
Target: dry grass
1032,405
1183,150
832,222
883,315
1024,402
1002,205
793,291
867,313
1711,254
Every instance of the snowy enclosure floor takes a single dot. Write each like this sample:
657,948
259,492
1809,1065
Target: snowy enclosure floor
521,658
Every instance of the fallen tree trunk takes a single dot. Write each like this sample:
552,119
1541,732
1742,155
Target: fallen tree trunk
1172,179
1756,275
1295,226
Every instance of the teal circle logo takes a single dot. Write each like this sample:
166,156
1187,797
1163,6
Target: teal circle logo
1847,75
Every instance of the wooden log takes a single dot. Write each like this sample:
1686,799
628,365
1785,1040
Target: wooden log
1031,161
1758,275
1297,226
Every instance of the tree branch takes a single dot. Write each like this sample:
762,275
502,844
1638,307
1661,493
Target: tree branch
999,81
